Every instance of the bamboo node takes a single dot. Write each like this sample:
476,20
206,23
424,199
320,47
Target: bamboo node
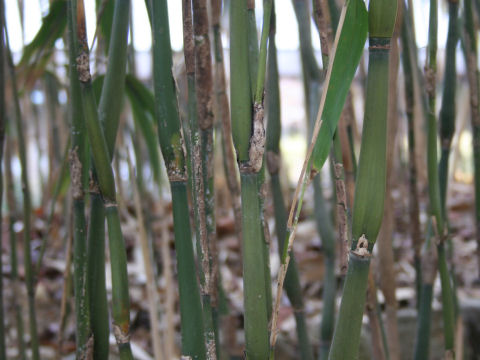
175,174
120,336
362,247
83,67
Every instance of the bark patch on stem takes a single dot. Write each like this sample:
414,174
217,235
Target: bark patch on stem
257,141
76,174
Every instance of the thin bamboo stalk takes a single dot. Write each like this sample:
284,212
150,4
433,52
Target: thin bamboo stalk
352,31
434,184
312,78
3,122
379,347
27,210
292,281
12,210
409,67
257,78
249,140
105,178
197,110
78,155
67,283
222,112
191,315
473,78
109,112
148,268
386,263
371,180
428,273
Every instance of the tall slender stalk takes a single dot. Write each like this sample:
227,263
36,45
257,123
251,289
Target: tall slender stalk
148,268
447,111
109,112
348,47
471,54
387,278
166,109
370,186
434,192
292,280
27,210
222,112
258,56
12,210
409,67
106,183
199,117
249,140
78,156
3,122
204,94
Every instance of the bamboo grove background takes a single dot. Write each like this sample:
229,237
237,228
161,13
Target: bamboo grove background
155,217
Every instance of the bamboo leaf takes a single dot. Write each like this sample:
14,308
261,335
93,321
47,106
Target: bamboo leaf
350,43
53,27
142,103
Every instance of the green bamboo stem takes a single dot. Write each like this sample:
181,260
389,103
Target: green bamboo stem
249,139
223,113
78,156
325,228
190,303
434,184
292,281
109,113
370,185
27,210
199,123
447,111
255,299
96,276
191,315
409,66
253,52
204,94
3,122
473,81
12,210
257,68
428,273
323,219
106,183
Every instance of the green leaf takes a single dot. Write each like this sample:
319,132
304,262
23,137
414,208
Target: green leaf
142,103
41,47
349,49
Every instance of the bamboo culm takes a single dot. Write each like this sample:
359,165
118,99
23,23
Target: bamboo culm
370,185
27,211
166,112
292,281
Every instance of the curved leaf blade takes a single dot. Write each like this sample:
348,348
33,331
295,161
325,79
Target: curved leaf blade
348,50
